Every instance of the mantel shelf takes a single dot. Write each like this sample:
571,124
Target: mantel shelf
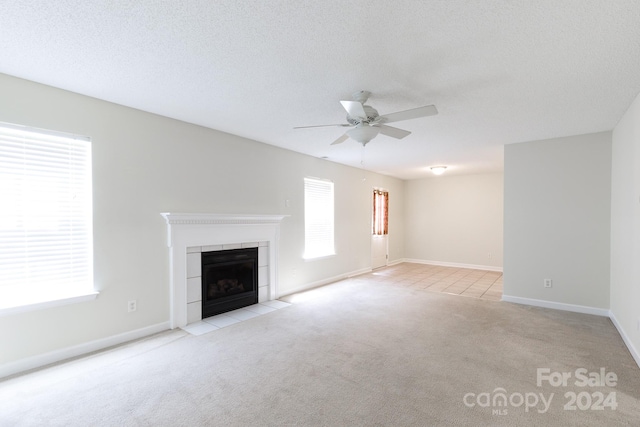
213,218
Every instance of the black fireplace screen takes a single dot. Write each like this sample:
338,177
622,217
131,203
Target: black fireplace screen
229,280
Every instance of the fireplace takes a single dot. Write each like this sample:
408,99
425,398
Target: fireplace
229,280
189,234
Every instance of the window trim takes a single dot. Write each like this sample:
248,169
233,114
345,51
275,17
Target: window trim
49,303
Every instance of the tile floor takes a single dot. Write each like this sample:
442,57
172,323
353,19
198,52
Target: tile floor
452,280
229,318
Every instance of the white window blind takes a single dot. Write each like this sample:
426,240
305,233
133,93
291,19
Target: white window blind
46,245
318,218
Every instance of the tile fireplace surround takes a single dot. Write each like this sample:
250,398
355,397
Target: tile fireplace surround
189,230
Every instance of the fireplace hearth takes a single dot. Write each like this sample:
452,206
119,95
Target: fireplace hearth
229,280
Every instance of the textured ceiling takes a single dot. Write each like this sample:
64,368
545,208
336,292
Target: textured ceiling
499,71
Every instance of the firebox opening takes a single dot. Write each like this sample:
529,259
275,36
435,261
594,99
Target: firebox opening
229,280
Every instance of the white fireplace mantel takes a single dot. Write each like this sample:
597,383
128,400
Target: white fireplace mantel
186,230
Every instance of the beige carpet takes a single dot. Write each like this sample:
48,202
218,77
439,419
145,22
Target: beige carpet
354,353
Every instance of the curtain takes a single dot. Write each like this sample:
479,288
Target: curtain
380,212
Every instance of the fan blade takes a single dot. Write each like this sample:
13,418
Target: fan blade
344,125
340,140
393,132
354,109
427,110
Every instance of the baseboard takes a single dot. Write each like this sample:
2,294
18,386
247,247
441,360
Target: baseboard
41,360
308,286
557,305
453,264
634,352
579,309
359,272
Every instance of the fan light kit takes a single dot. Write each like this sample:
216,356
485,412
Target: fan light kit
438,170
367,123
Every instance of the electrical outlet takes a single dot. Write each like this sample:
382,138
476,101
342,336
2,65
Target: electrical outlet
132,306
548,283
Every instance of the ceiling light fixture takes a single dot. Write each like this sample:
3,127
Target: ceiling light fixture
363,133
438,170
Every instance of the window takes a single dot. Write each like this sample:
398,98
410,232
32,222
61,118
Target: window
46,246
380,212
318,218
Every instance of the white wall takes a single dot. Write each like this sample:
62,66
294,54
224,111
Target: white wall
455,219
145,164
625,227
557,219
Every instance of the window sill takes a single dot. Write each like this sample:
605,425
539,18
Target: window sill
39,304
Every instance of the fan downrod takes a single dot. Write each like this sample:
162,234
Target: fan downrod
361,96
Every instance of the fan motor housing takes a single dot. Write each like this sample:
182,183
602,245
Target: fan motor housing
372,115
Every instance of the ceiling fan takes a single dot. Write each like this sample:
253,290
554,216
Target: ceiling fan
367,123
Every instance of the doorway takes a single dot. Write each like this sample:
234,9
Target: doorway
380,229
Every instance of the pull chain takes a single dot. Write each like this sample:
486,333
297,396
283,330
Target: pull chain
364,178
